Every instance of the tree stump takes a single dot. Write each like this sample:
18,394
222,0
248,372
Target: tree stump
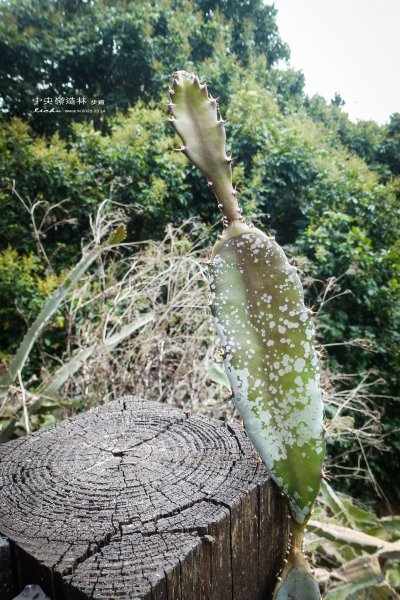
139,500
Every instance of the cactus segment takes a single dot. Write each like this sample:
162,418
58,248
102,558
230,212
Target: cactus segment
298,585
260,316
203,135
266,333
267,337
296,581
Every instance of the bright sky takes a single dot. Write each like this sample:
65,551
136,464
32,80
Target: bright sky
347,46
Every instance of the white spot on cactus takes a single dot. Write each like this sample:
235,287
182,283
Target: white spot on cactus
299,365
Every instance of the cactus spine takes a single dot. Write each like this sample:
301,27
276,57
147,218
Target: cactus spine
265,331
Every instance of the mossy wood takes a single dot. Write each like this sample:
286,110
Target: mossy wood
138,500
266,332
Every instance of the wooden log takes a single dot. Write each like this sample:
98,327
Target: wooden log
6,578
139,500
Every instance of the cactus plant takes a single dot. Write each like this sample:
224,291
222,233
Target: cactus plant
266,332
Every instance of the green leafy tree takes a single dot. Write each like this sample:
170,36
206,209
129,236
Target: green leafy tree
253,25
118,52
388,151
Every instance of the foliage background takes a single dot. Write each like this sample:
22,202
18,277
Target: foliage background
326,187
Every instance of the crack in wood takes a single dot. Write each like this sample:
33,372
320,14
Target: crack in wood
143,516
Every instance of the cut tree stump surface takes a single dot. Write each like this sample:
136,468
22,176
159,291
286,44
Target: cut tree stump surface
139,500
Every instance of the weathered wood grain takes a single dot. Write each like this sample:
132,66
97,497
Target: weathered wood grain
138,500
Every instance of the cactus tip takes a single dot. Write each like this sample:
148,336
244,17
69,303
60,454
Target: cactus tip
196,117
214,103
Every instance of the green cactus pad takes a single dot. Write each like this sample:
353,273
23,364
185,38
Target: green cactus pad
259,313
298,585
268,342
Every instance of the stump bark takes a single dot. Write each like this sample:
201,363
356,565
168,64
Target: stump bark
139,500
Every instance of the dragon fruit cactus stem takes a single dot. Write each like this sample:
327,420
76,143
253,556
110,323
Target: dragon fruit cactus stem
266,333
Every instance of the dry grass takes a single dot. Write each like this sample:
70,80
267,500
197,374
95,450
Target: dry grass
167,359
